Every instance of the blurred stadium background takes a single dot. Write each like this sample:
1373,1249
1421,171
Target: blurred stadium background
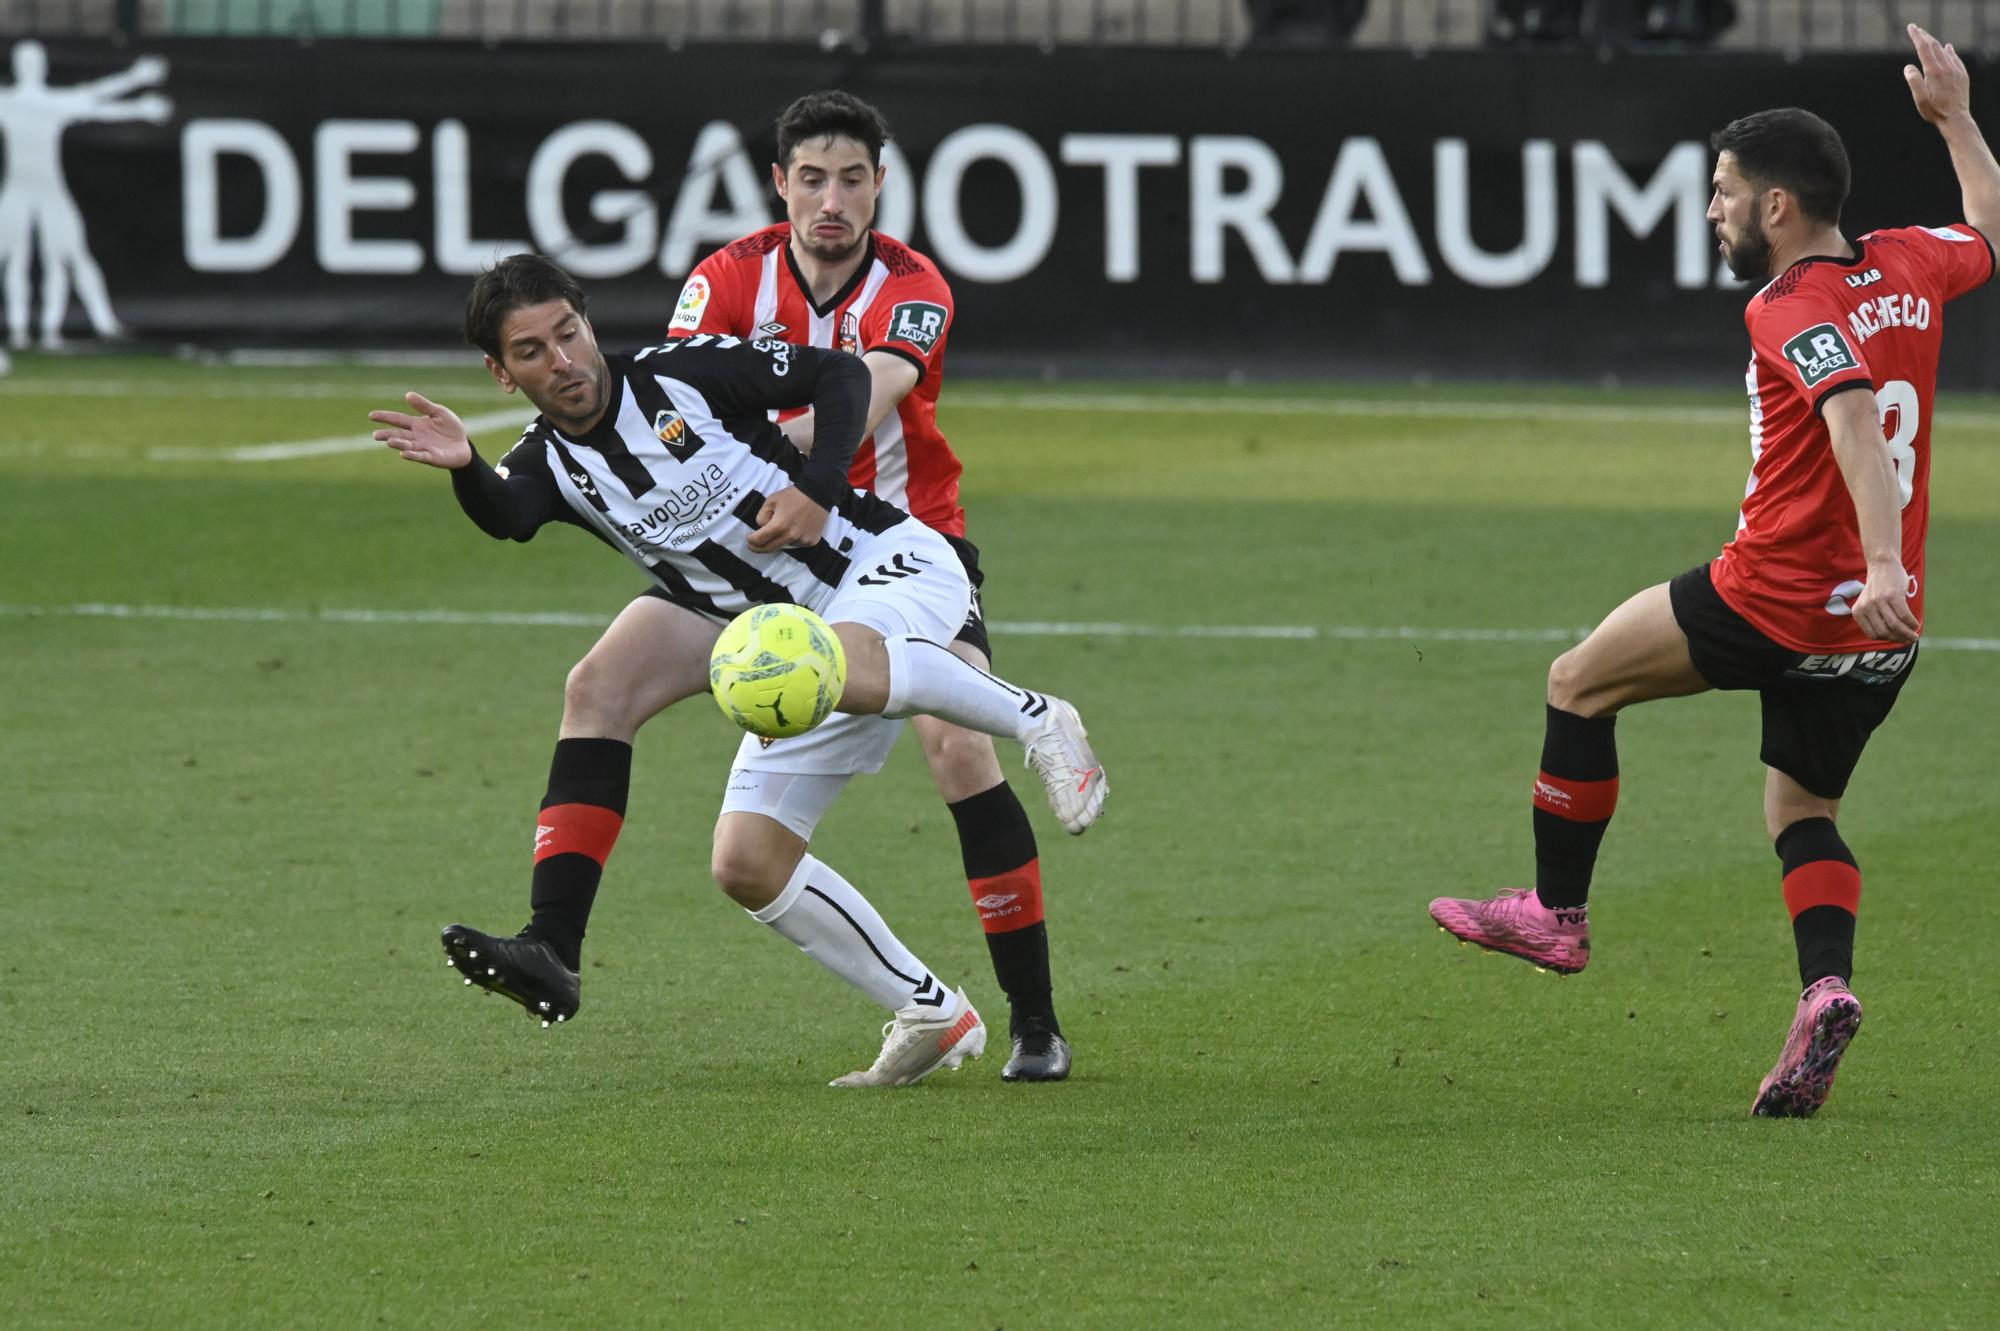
1750,25
1114,186
1321,369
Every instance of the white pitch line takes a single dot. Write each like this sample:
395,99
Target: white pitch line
1414,408
1391,408
358,442
1249,402
1024,628
19,386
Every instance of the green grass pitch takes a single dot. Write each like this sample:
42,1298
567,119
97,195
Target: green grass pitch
240,1089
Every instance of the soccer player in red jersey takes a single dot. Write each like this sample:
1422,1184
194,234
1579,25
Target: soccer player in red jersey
824,277
1818,601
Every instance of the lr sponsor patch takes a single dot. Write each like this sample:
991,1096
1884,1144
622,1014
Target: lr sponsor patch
1946,233
1819,353
917,322
694,301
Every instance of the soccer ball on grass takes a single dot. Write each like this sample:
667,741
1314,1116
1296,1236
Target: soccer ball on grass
777,670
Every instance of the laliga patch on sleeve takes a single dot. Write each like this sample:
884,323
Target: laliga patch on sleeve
1819,353
1946,233
917,322
694,300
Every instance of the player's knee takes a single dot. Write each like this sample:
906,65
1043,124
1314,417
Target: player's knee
1568,689
749,874
962,762
1783,813
592,698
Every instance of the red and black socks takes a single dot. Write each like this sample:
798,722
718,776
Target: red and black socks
1004,871
1575,794
1823,892
578,825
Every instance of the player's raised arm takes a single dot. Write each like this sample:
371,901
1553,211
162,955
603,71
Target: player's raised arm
1943,93
434,435
1883,607
504,507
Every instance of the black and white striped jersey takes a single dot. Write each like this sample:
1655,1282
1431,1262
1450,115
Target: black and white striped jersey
675,471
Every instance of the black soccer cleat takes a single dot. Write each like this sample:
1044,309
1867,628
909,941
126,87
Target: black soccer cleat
524,969
1039,1055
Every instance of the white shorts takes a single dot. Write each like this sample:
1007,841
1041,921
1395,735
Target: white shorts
906,582
794,800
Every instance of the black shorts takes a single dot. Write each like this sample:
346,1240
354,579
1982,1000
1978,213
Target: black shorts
974,631
1818,710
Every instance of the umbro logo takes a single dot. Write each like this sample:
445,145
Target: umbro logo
771,329
995,900
542,834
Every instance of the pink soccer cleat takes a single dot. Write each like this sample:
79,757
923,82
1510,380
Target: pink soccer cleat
1517,923
1827,1020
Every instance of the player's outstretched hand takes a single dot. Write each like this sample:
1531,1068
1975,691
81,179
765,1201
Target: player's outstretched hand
1883,608
435,436
788,518
1942,89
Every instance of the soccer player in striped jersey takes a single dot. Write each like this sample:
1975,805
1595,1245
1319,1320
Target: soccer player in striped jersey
824,277
669,457
1818,601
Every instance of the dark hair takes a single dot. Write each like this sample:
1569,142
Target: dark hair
514,283
1795,151
832,113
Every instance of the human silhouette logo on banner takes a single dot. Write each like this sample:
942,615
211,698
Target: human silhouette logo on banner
41,227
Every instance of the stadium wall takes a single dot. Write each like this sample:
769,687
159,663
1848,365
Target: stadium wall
1097,211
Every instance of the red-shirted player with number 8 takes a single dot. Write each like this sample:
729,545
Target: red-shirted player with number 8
1818,601
825,277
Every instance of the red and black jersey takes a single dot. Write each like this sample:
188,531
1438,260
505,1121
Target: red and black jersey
897,301
1825,326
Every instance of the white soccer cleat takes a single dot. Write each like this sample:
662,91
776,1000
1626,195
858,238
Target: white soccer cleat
919,1041
1059,754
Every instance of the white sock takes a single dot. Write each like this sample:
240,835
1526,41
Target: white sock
927,678
835,926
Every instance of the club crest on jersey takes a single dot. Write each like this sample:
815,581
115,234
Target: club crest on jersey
850,334
917,322
670,428
1819,353
694,300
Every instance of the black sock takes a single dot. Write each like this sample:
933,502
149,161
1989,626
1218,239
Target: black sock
579,823
1823,892
1575,794
1004,872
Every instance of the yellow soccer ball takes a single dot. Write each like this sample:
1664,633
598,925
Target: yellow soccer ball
777,670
